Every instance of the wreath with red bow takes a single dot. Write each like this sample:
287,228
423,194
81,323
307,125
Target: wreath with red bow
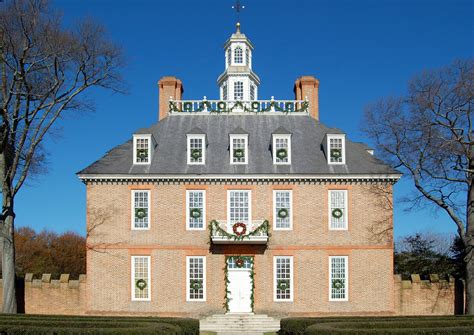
239,228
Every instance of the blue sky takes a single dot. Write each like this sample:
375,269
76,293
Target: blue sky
359,51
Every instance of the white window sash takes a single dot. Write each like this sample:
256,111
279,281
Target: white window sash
274,149
203,210
343,149
203,149
188,279
135,139
133,227
275,279
249,206
290,210
346,278
345,212
148,287
246,148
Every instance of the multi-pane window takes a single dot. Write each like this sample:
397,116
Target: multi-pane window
247,57
282,209
281,149
239,206
224,92
337,209
336,154
195,209
196,278
229,56
141,152
140,277
338,281
283,285
238,55
140,209
231,263
238,149
196,149
238,90
252,92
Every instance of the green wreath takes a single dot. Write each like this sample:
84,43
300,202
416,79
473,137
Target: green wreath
142,154
196,154
195,213
337,213
141,213
283,213
188,106
283,284
255,106
141,284
239,153
289,107
337,284
336,153
239,262
196,285
221,105
282,153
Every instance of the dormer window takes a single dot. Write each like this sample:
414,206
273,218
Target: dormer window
141,149
238,55
281,149
336,149
239,149
196,149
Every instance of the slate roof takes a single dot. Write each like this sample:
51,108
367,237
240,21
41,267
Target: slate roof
307,155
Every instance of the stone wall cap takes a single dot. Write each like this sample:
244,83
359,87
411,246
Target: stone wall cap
82,278
64,278
46,278
28,277
434,278
415,278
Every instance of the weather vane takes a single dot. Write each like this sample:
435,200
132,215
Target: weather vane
238,7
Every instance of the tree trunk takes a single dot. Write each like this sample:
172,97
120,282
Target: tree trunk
469,238
8,253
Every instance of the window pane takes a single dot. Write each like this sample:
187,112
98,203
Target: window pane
335,150
282,149
196,149
141,285
239,207
196,209
196,278
337,211
283,278
142,150
140,210
238,90
238,59
338,278
239,147
282,209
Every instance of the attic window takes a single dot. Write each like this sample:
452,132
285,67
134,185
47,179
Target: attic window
196,149
141,149
281,148
239,149
336,149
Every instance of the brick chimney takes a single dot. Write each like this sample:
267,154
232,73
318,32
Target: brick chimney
307,86
168,87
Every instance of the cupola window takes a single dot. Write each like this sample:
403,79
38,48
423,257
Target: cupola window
238,90
238,55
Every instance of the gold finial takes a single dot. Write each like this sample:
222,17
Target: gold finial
238,7
238,27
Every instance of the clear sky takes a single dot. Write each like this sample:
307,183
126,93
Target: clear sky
359,51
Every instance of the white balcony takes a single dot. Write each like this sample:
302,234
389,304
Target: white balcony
255,232
238,106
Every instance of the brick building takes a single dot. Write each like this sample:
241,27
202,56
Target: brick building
239,205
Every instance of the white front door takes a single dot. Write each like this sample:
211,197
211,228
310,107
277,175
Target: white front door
240,289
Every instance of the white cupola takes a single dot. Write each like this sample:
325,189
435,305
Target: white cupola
238,82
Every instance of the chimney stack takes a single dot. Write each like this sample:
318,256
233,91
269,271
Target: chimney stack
168,87
307,87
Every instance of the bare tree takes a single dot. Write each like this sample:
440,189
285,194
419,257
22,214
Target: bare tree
428,135
45,69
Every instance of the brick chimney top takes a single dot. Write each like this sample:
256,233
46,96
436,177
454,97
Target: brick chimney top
168,87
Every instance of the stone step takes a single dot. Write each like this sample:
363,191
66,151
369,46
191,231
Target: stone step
228,324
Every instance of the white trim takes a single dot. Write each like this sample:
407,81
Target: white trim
249,194
346,270
274,137
203,280
245,137
148,192
148,287
292,293
290,210
203,209
150,143
188,148
328,146
345,213
322,177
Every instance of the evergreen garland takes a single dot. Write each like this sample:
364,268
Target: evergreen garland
227,281
214,226
255,107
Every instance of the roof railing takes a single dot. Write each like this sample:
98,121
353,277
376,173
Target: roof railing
238,106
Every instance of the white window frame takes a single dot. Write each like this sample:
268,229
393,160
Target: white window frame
290,210
203,212
188,288
148,192
274,149
241,96
249,195
342,137
245,137
239,56
148,287
345,213
292,292
150,143
203,149
346,278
